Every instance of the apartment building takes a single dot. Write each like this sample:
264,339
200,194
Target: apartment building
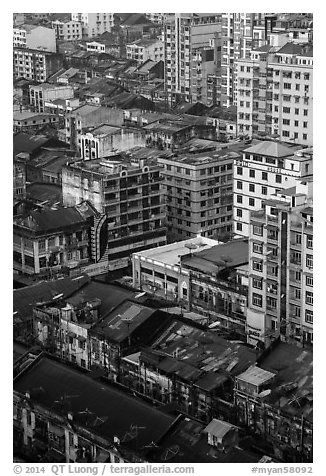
46,241
237,42
281,267
203,66
264,169
41,93
130,203
94,24
106,140
35,65
67,29
199,190
143,50
34,37
275,92
182,34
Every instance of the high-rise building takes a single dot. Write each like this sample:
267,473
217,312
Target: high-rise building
237,41
266,168
186,36
35,37
281,268
275,91
199,194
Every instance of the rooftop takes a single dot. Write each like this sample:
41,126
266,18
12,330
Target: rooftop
256,376
296,49
227,255
170,254
105,129
206,157
24,115
98,407
192,354
46,193
167,126
187,443
44,221
25,298
292,390
271,149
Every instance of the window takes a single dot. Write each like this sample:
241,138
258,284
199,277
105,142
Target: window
239,170
257,247
251,187
309,281
286,133
264,190
257,265
264,176
304,136
239,185
239,198
286,110
286,122
309,298
309,261
309,241
271,303
251,173
309,316
297,293
305,112
257,283
239,226
257,230
257,299
251,202
239,212
278,178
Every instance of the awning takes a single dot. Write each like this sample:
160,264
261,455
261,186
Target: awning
81,338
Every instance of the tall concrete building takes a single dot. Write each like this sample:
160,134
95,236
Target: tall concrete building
94,24
130,205
275,91
281,268
191,41
199,192
237,41
266,168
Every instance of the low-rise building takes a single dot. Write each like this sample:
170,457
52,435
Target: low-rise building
143,50
274,401
125,329
201,275
48,240
89,116
31,122
72,417
41,93
193,368
106,140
